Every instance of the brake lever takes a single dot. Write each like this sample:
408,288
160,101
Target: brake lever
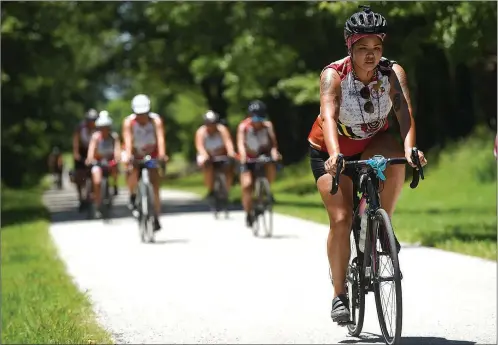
335,179
416,160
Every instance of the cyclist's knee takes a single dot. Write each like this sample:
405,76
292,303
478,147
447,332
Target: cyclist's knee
96,175
340,221
246,181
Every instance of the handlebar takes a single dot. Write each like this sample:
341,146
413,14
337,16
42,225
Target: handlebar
103,163
418,172
217,159
260,159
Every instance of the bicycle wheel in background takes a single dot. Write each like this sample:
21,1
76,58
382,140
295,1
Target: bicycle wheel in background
386,271
146,207
355,290
220,195
267,207
106,198
90,209
256,207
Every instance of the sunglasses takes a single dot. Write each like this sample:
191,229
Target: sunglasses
365,94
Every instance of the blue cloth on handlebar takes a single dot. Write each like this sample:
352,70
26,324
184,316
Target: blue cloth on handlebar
379,164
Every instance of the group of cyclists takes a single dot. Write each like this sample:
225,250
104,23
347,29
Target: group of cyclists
143,135
357,94
94,140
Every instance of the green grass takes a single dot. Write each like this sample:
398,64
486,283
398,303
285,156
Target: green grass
454,208
40,304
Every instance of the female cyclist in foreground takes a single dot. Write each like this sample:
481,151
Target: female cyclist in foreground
356,96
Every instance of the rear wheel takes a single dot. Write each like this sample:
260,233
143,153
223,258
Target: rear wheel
386,272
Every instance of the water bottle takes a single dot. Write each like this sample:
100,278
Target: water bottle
363,224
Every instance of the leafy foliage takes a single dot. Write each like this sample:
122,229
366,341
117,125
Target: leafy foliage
60,57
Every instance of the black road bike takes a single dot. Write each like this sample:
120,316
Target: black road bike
262,197
145,198
105,192
365,272
220,188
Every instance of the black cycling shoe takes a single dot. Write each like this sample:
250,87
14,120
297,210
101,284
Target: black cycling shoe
157,225
115,190
249,219
340,309
131,202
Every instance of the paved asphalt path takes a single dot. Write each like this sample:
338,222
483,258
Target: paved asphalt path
211,281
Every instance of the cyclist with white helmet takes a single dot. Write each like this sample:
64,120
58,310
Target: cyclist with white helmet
81,139
255,137
104,144
143,134
213,139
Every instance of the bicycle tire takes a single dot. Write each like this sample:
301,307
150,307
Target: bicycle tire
145,207
383,218
255,206
267,207
220,194
106,200
90,212
355,290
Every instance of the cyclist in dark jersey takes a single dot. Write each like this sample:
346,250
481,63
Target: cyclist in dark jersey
81,139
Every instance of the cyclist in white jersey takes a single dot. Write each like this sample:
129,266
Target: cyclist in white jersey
143,134
104,144
213,139
255,137
81,139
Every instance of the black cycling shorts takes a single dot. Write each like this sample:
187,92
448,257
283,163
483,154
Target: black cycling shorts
317,163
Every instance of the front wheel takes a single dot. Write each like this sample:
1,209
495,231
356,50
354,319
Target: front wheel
355,290
386,272
267,203
146,207
106,198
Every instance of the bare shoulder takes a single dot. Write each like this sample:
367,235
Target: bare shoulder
399,72
201,129
95,135
157,119
268,124
329,81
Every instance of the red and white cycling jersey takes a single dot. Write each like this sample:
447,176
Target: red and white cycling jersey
257,142
144,136
105,146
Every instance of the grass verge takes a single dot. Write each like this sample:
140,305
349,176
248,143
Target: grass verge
40,303
454,208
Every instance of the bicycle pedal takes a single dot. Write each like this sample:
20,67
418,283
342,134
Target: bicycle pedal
345,323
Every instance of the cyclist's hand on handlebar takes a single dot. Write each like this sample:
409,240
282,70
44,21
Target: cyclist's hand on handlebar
275,155
242,158
331,164
421,157
164,158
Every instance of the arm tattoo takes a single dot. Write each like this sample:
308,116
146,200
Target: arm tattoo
325,84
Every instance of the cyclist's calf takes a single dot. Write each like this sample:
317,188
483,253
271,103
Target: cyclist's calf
155,180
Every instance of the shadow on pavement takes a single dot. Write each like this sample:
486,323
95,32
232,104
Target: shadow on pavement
370,338
63,207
